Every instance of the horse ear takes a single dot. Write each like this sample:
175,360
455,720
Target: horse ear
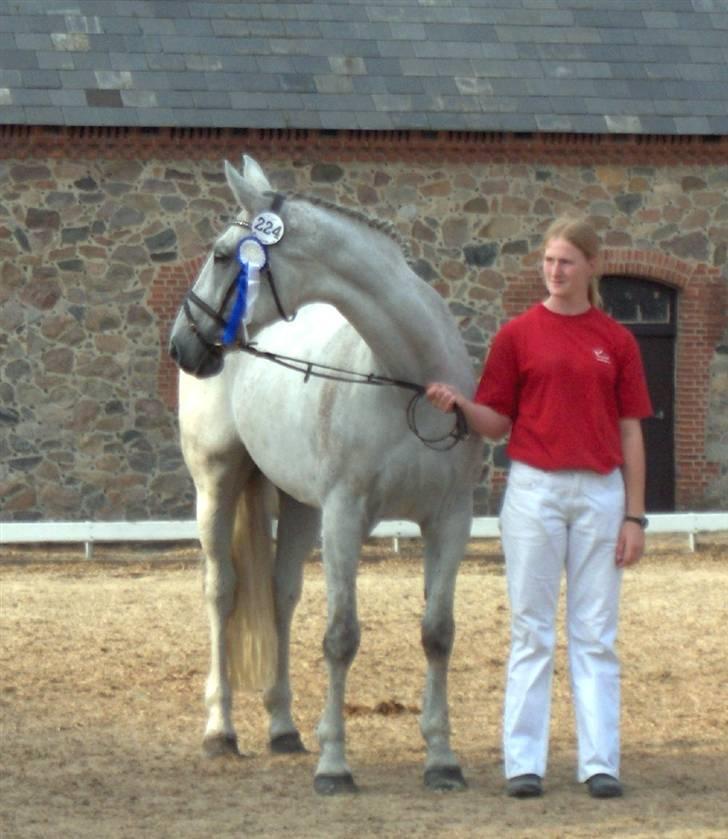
248,184
253,172
239,187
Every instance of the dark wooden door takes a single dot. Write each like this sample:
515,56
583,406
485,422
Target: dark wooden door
658,353
648,309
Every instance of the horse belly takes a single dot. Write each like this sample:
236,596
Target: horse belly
278,444
311,438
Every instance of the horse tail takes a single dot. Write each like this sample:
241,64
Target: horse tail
251,635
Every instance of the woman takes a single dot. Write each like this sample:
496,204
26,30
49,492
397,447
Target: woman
567,382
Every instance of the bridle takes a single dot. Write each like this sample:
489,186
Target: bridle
217,316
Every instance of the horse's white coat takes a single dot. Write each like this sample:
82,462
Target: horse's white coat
341,455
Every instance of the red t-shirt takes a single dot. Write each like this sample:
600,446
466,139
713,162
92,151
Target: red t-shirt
565,381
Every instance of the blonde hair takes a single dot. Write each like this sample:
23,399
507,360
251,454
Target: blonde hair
579,233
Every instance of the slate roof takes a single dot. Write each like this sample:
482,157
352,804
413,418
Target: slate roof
611,66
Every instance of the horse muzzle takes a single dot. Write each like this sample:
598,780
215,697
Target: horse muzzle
199,361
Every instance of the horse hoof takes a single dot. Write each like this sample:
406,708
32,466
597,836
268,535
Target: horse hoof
287,744
219,745
334,784
445,779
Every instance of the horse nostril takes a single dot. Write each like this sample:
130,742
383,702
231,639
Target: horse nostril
173,351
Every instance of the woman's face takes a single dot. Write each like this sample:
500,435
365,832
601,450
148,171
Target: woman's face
567,273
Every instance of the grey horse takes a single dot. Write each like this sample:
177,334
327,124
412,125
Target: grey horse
336,457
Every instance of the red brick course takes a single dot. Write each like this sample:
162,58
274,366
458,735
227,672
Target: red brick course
214,143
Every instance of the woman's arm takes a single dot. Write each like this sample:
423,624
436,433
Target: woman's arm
631,542
481,419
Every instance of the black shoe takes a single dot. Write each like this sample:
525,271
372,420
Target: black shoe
604,786
524,786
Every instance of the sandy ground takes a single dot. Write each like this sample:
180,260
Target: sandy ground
102,667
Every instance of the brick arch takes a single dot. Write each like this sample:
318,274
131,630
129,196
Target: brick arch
165,297
702,321
647,265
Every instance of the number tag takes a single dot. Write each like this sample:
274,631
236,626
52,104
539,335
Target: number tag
252,252
268,227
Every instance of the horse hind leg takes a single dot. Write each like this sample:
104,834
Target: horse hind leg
445,543
219,494
298,531
234,530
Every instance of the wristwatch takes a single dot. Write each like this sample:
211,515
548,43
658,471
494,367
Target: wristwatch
642,521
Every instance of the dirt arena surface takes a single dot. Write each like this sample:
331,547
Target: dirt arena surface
102,666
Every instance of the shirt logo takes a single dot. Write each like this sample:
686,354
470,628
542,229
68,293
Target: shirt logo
602,355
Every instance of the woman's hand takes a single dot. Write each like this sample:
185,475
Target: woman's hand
481,419
630,544
443,396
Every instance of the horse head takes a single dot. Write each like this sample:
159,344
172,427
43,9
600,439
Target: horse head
247,281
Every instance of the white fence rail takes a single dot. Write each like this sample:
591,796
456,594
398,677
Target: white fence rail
89,532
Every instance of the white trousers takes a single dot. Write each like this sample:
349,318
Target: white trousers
553,521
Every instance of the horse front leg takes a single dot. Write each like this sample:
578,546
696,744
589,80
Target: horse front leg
342,539
298,531
445,542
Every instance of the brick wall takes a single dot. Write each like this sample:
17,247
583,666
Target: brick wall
102,231
170,285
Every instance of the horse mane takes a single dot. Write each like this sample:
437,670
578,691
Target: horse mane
380,225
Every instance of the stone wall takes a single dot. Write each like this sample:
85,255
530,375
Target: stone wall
101,232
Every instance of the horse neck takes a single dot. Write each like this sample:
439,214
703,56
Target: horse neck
406,325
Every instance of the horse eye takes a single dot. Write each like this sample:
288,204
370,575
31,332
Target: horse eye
220,256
